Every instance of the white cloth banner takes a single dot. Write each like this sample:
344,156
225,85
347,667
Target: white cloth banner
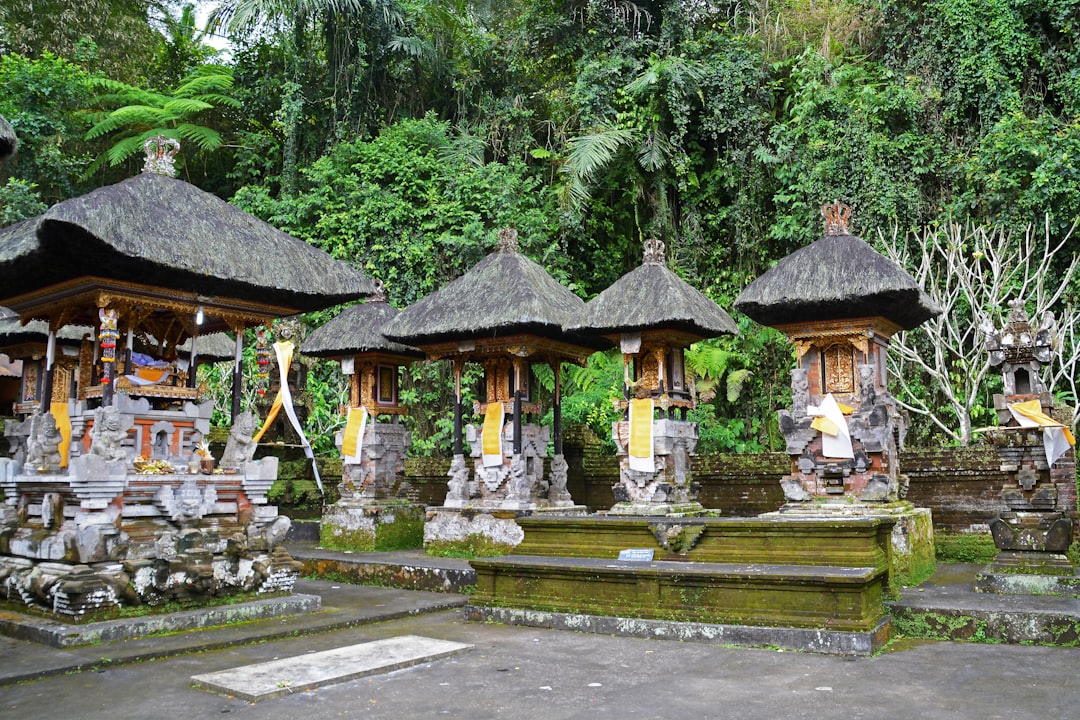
284,358
838,445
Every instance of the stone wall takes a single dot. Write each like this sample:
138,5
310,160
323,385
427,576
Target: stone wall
961,486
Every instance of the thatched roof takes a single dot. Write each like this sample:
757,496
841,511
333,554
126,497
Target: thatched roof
837,277
159,231
653,297
506,293
8,142
358,329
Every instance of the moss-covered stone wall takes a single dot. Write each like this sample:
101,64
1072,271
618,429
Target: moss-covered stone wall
961,486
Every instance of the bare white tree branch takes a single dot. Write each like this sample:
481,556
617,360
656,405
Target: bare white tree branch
972,272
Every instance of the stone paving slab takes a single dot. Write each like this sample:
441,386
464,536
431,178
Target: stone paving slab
343,606
276,678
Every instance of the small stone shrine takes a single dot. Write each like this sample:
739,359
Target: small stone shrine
1035,529
506,314
134,511
654,315
374,502
840,302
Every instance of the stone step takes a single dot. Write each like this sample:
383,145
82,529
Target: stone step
276,678
799,596
405,569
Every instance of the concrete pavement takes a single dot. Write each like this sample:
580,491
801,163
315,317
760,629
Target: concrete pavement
518,672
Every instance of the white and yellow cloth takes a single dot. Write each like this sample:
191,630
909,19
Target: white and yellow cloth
352,441
284,351
829,420
640,448
491,435
1057,439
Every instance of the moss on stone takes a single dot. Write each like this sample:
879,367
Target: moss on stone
399,535
964,547
471,546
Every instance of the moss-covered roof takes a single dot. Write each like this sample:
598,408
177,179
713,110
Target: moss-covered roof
836,277
159,231
653,297
506,293
358,329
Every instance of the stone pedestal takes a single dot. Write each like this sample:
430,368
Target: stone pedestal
374,512
669,489
103,537
1035,530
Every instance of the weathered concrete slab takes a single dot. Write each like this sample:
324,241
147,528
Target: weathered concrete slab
60,634
268,680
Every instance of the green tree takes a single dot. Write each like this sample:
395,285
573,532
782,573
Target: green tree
143,114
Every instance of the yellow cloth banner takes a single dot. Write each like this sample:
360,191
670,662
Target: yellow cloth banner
641,435
824,425
1032,410
491,435
59,412
354,429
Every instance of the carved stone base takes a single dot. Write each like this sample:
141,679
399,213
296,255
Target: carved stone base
464,525
669,489
1031,563
1048,532
1002,579
194,574
690,509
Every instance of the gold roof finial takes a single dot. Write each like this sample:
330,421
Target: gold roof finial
836,216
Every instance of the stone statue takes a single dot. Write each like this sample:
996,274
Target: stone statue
800,392
107,434
17,434
458,487
867,386
43,447
188,502
240,448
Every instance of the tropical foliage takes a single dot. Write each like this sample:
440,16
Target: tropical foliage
399,134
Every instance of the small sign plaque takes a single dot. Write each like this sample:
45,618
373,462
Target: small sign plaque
636,554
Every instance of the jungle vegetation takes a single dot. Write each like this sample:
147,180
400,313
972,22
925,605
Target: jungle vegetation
400,134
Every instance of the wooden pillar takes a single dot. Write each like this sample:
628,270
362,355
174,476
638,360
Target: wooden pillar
238,374
108,334
459,364
556,408
193,360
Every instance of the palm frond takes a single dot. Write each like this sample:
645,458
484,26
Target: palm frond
186,106
204,138
587,154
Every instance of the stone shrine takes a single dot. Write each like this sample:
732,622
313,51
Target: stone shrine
133,510
654,315
840,302
1035,529
374,510
507,314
